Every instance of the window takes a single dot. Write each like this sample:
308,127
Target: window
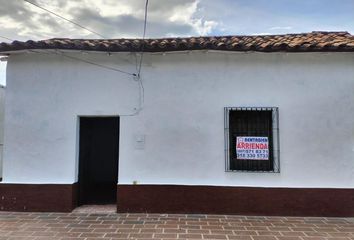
252,139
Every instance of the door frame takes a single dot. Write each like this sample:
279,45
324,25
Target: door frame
77,150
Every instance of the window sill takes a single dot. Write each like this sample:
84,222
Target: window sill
247,171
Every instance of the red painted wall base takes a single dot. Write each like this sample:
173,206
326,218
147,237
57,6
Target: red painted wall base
188,199
236,200
38,197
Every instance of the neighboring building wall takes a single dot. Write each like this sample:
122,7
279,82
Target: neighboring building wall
2,115
182,119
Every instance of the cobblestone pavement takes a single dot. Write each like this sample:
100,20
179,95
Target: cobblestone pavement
170,226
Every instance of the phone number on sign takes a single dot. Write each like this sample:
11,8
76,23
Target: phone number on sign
253,154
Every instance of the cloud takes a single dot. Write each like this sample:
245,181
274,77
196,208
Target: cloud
124,18
278,16
281,28
111,18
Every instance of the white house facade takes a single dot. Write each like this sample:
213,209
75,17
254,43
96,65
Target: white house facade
260,130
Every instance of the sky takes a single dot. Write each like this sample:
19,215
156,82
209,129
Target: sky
170,18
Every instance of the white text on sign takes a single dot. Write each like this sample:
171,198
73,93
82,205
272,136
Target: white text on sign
252,148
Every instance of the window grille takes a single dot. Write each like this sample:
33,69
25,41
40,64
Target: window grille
257,124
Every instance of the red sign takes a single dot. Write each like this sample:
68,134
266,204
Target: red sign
252,148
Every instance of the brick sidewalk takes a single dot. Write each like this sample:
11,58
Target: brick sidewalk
170,226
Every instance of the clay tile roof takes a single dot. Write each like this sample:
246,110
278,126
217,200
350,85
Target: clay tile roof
304,42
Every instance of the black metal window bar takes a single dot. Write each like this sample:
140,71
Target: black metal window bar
257,122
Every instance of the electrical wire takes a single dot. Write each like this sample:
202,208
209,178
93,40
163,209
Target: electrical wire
66,19
138,67
141,86
137,75
6,38
57,52
97,64
143,39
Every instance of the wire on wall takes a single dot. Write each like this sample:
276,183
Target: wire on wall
57,52
138,67
136,76
97,64
143,39
68,20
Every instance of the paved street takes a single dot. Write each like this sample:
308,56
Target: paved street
170,226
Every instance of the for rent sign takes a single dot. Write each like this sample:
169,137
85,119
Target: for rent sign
252,148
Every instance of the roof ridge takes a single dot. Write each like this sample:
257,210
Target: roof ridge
325,41
211,36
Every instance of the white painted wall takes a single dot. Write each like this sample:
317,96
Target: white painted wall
182,119
2,116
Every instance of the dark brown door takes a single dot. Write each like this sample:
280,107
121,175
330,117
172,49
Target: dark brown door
98,160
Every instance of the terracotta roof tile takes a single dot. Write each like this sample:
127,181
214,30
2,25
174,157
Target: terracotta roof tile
305,42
